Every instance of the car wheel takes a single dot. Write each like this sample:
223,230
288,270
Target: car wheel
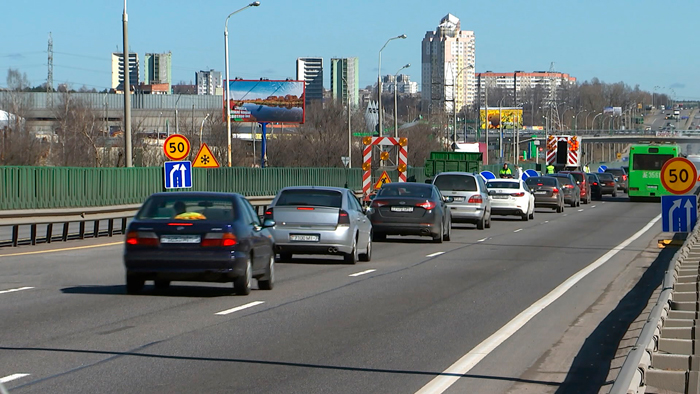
161,284
241,285
532,214
285,257
614,194
378,237
134,284
367,256
585,201
269,282
488,222
524,217
448,235
351,258
437,237
481,223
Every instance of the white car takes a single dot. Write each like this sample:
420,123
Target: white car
511,197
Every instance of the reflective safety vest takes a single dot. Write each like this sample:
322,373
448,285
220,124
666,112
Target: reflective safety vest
505,171
550,169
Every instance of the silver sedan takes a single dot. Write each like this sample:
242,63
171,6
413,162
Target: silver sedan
320,220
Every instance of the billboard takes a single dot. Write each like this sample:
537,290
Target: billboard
509,117
266,101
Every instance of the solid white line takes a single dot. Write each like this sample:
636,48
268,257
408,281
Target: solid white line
13,290
580,210
450,376
592,206
435,254
518,230
362,273
240,308
482,239
13,377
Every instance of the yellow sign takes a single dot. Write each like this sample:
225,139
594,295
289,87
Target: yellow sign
506,118
176,147
382,180
678,175
619,155
205,159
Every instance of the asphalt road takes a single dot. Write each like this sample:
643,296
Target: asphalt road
72,329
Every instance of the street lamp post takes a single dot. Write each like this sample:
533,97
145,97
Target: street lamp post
454,108
379,83
202,128
127,93
228,90
576,119
396,112
347,100
500,128
593,121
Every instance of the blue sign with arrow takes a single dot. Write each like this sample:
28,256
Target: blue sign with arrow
178,174
602,169
679,213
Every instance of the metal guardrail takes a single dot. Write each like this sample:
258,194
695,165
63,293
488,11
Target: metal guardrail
664,354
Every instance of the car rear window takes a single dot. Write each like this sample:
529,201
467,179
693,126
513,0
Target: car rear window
311,197
540,181
459,183
503,185
616,171
606,176
577,176
188,208
565,180
417,191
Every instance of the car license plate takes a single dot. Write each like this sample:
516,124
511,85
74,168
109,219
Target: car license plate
500,197
458,199
180,239
304,237
402,209
541,192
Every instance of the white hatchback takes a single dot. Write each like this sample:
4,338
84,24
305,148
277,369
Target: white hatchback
511,197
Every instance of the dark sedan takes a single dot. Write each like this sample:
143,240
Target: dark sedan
572,192
596,188
410,209
547,191
198,236
607,183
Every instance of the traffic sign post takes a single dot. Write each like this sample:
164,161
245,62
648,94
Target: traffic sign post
177,174
176,147
679,213
678,175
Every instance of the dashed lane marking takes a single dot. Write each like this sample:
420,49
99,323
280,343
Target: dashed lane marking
362,273
240,308
63,249
435,254
13,290
518,230
13,377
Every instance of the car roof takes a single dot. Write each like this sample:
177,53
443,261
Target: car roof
427,185
505,180
455,173
330,188
190,194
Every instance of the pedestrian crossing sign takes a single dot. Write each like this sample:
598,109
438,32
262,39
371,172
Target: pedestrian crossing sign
382,180
205,159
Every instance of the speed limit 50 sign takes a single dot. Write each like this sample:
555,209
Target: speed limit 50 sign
176,147
678,175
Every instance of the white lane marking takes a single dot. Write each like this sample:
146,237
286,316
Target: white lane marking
482,239
435,254
240,308
566,214
592,206
13,377
518,230
603,202
13,290
580,210
450,376
362,273
546,221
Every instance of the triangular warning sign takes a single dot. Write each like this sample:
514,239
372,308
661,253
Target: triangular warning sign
205,158
382,180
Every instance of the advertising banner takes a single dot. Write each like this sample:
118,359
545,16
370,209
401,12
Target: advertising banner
510,117
266,101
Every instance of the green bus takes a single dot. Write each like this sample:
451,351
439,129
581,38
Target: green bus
645,163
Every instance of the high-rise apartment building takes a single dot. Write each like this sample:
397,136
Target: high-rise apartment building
448,61
118,70
402,83
310,70
345,80
209,82
158,69
517,86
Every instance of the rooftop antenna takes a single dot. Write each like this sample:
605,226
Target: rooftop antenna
551,67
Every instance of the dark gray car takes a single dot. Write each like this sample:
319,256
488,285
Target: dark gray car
572,192
547,191
620,177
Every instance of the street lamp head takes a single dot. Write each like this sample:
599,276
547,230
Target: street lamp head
402,36
407,65
254,4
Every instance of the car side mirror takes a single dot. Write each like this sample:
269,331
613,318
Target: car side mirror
269,223
448,199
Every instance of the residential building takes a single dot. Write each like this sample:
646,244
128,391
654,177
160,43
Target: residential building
345,79
209,82
448,61
158,69
118,70
403,84
310,70
514,85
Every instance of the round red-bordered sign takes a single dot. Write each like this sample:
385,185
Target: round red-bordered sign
176,147
678,175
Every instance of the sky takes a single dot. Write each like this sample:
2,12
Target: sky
638,42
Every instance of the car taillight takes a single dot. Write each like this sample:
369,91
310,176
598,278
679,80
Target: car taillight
268,214
343,218
624,177
540,184
305,208
595,183
428,205
379,203
476,199
569,186
142,238
555,191
219,239
521,194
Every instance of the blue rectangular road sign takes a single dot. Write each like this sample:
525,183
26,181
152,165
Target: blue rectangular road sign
679,213
178,174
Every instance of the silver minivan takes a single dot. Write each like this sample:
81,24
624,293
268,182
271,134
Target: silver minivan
471,202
